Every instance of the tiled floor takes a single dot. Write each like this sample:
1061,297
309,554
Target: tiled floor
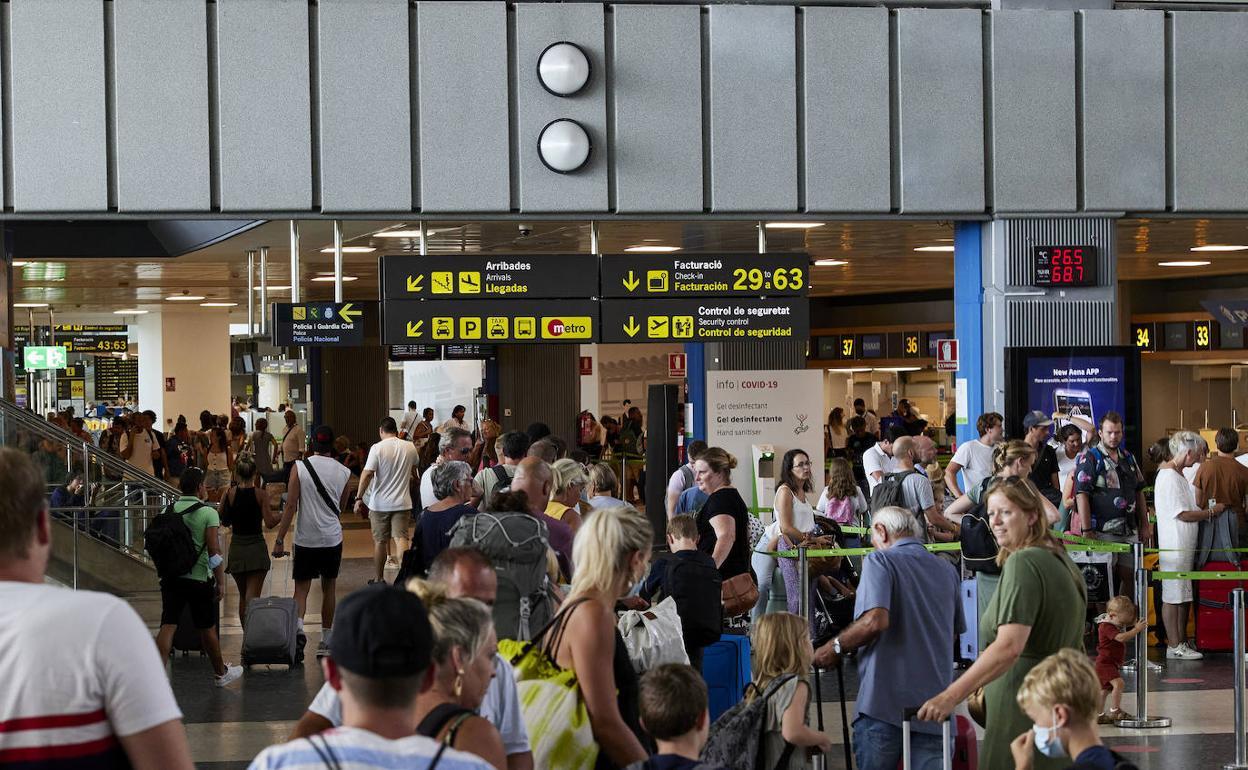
227,727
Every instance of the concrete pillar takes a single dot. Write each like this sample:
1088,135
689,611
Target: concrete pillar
192,346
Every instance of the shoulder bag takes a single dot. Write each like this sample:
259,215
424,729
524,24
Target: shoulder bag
316,480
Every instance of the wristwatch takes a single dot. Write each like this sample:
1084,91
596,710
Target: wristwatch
836,645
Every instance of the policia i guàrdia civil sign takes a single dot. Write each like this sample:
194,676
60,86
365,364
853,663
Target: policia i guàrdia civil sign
705,320
482,276
406,322
320,323
705,275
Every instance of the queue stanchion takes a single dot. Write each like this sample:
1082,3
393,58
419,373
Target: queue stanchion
803,570
1237,615
1142,718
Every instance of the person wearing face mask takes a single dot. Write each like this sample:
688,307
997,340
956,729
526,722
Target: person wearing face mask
1060,695
1038,608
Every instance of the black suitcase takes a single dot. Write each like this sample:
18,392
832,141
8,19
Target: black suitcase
186,637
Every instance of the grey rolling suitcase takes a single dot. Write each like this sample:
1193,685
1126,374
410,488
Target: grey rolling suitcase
272,631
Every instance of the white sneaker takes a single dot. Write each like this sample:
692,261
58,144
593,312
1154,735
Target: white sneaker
390,562
231,673
1193,654
1182,652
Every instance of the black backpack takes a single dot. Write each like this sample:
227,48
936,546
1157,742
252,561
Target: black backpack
695,585
889,492
168,541
979,545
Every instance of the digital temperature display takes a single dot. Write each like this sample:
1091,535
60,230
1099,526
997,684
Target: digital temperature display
1064,265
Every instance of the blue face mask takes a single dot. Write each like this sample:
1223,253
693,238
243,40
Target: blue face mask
1047,742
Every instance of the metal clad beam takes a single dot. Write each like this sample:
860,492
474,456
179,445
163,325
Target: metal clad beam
940,84
1210,111
59,139
657,82
847,123
365,109
538,25
465,157
264,118
753,108
1124,111
162,122
1033,103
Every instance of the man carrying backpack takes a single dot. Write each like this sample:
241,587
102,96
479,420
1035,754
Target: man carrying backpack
692,579
682,479
515,447
907,488
183,544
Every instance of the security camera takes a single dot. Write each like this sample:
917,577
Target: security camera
525,230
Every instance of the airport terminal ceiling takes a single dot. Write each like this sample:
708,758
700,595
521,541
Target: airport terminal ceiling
849,257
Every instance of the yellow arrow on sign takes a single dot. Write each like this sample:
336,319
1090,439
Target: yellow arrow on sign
415,283
348,315
413,329
631,328
631,282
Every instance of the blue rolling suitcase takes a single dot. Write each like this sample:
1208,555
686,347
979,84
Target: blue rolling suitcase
726,669
968,642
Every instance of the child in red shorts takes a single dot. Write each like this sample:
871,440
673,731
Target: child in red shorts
1111,649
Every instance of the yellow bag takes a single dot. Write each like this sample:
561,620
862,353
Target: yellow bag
560,735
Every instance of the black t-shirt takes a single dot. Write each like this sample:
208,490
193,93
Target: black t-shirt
857,445
726,502
1100,758
1044,468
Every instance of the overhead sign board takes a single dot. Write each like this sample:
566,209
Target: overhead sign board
705,320
701,275
319,323
83,338
484,276
44,357
489,321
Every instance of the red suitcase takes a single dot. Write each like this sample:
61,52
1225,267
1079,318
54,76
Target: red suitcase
1213,608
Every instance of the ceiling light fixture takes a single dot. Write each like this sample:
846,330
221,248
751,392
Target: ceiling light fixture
1220,247
563,146
218,304
1185,263
350,250
831,262
645,249
563,68
849,371
793,225
898,368
30,304
19,263
130,311
402,234
275,288
934,248
184,298
328,278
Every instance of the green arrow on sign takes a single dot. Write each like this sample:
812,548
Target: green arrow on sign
631,328
413,330
348,314
35,358
631,281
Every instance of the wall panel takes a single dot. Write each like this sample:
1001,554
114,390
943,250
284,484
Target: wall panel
1033,105
845,78
365,105
57,78
753,108
1124,110
540,383
161,122
264,112
465,157
940,94
657,83
1210,111
538,25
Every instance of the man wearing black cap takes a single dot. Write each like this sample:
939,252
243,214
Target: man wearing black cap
1044,470
379,661
318,490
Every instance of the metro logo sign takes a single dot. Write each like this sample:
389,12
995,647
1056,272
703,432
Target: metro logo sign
567,328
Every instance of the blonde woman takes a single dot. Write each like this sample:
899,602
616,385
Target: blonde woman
463,655
611,552
567,483
782,650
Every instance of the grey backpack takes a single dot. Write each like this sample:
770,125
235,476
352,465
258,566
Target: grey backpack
890,492
516,544
736,738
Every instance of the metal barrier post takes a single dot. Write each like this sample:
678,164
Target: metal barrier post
75,580
1241,749
1142,719
803,571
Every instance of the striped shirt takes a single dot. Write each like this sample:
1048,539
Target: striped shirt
79,670
357,749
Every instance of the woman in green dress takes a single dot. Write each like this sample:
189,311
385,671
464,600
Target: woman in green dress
1038,609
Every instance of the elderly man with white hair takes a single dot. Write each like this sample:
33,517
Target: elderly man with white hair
906,617
1178,525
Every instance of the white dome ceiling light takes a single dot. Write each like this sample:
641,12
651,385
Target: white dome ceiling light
563,69
563,146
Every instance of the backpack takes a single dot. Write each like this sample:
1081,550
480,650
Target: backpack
890,491
686,476
516,544
168,541
736,738
696,586
979,545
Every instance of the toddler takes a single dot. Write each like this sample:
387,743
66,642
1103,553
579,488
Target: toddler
1114,629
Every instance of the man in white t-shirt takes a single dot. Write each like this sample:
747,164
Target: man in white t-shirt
83,682
682,479
878,460
293,442
464,572
379,662
455,444
974,458
385,494
916,490
456,421
318,535
138,443
410,418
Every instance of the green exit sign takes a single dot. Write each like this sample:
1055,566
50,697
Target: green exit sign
44,357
